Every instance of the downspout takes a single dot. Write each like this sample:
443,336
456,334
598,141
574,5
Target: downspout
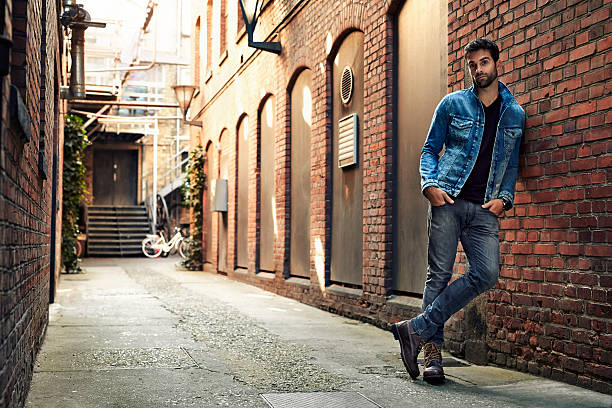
77,19
77,72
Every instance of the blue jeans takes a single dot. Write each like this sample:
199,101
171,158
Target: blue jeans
477,228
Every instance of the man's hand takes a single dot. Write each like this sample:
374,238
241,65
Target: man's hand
496,206
437,196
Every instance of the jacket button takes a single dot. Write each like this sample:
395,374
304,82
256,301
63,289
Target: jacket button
470,157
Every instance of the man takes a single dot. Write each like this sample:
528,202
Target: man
468,188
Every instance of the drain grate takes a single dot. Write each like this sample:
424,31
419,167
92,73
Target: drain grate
318,400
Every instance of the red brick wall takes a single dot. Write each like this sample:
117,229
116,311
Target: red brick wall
25,196
550,312
535,235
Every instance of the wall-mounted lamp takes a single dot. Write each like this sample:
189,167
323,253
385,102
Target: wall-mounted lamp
251,10
184,96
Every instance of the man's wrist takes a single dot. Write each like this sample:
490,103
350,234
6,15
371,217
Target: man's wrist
506,202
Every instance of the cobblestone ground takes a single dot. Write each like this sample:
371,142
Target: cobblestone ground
139,333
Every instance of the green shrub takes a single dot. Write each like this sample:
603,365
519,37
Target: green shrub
193,192
75,141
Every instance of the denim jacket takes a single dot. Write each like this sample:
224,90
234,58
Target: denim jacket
458,125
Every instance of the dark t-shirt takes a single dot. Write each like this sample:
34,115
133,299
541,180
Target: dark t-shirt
476,185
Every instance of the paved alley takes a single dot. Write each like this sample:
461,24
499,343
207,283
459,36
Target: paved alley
140,333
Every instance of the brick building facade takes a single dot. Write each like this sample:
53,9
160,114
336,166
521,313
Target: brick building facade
30,185
550,312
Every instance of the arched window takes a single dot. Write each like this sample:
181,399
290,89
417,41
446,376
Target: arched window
208,207
240,19
347,200
224,165
209,34
301,122
242,205
197,52
421,36
223,28
268,228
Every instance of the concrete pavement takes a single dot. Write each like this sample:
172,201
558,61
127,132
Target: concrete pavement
140,333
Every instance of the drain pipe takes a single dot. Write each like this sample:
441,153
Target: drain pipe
77,19
77,72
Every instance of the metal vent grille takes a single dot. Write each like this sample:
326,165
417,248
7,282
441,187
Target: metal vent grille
348,132
319,400
346,85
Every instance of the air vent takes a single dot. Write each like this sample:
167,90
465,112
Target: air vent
346,85
347,140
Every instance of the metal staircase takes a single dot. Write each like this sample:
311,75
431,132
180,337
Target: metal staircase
116,230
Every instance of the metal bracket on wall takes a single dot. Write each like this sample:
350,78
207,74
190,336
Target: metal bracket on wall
20,118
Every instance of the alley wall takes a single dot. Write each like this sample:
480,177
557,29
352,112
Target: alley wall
550,312
30,156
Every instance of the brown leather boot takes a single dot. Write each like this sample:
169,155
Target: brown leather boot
410,345
433,372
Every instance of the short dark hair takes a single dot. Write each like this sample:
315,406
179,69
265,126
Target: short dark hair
482,44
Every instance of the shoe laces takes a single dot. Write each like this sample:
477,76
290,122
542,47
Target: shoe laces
432,352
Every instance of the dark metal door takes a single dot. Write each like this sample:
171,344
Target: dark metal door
242,216
115,177
208,210
223,174
267,226
347,204
301,112
421,76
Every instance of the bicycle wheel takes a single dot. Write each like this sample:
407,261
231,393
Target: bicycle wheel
183,248
148,250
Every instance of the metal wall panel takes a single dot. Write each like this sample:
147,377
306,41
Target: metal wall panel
267,221
223,174
301,120
208,205
347,202
422,81
242,216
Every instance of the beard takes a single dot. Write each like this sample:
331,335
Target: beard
484,80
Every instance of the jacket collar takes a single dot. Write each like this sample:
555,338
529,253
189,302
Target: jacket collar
503,90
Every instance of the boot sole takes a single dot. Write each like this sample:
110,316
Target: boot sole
434,379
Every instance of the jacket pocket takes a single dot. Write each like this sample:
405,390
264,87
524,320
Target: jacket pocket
510,137
459,131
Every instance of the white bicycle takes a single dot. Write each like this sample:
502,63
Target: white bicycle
155,245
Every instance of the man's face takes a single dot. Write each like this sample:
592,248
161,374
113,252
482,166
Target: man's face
482,67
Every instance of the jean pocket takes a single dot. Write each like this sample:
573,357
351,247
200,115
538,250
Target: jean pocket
489,212
444,204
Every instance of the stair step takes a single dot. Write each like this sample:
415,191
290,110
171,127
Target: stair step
116,230
119,225
114,212
114,244
131,241
115,254
123,235
106,218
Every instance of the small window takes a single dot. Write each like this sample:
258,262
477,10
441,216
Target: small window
209,34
